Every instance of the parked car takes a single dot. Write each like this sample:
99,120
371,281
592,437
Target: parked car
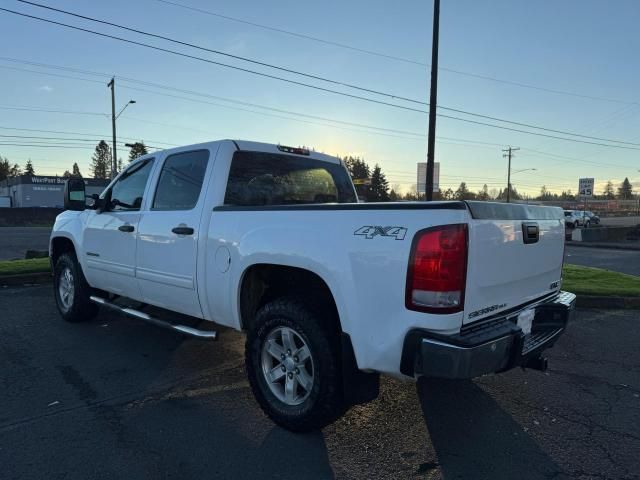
573,219
589,218
270,240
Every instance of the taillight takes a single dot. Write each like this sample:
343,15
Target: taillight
437,270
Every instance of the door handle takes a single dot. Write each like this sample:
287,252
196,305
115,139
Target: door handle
126,228
530,232
182,230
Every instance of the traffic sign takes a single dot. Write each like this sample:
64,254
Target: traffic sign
585,187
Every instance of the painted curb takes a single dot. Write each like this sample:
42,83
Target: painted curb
26,278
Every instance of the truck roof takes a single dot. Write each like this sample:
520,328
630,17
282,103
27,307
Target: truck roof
259,147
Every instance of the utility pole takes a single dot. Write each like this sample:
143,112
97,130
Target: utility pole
433,98
114,162
509,153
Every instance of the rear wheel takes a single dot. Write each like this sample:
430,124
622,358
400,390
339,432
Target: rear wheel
293,364
71,290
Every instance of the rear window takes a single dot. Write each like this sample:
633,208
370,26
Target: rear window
259,178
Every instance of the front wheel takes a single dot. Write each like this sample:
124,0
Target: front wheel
293,364
71,290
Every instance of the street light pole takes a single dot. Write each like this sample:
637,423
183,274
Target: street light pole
433,98
114,161
509,154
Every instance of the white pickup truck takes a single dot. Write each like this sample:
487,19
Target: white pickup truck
270,240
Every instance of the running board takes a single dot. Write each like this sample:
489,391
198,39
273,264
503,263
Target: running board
193,332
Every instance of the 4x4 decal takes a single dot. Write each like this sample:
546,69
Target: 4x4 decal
370,231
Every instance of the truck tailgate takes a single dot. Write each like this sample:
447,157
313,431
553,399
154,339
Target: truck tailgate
515,257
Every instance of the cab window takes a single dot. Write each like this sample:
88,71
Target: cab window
126,193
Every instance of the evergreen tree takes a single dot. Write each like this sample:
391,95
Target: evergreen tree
484,193
379,189
625,190
5,167
101,161
545,194
15,171
412,194
28,168
137,149
358,168
67,174
393,196
359,171
448,194
76,171
463,193
608,193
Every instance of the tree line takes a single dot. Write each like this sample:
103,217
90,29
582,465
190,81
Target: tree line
100,166
371,183
373,186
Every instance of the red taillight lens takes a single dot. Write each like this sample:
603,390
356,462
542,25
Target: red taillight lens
437,270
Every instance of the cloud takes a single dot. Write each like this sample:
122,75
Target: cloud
45,88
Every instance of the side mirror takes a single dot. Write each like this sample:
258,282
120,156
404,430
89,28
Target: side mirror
74,195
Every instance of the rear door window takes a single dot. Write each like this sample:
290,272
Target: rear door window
181,180
259,178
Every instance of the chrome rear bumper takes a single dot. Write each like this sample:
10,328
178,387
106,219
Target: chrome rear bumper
489,347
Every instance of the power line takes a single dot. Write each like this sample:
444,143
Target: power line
213,62
29,109
32,145
395,57
59,140
295,34
316,77
219,52
536,133
201,94
94,135
380,128
204,102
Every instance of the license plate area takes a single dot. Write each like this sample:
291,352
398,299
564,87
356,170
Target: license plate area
525,320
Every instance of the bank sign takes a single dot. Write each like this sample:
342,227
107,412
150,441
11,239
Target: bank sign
47,180
42,180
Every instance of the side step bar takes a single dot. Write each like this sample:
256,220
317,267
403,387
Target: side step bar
193,332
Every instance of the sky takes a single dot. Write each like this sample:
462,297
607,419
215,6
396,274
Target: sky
568,65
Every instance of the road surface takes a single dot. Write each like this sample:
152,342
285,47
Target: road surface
115,398
624,261
15,241
620,221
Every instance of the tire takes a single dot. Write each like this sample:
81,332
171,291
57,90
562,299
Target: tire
71,290
304,409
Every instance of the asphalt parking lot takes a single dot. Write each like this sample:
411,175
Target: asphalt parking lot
115,398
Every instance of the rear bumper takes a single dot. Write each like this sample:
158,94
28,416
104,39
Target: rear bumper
490,346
